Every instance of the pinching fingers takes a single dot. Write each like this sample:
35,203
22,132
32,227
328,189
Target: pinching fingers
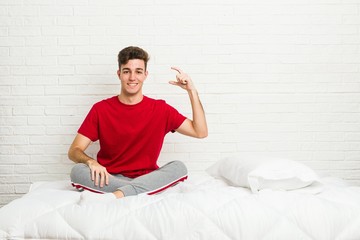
181,77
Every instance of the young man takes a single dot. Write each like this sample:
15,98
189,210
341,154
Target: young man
131,128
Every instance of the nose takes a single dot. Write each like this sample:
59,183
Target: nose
132,76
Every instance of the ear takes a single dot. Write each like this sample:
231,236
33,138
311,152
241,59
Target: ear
118,73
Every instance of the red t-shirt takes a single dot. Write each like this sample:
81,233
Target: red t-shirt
130,136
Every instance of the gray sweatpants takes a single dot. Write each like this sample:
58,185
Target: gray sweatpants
151,183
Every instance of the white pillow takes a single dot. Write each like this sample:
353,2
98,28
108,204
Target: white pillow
263,173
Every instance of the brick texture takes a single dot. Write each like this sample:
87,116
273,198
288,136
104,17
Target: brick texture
276,78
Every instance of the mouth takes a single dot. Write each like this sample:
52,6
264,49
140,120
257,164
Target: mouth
132,84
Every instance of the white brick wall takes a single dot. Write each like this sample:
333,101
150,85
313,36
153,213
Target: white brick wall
276,77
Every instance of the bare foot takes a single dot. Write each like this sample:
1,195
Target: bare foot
118,194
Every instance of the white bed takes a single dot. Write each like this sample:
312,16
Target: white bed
203,207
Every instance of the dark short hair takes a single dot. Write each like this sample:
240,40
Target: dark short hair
130,53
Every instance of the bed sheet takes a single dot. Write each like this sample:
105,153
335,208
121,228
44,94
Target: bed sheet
200,208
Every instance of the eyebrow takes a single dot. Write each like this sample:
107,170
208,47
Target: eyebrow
135,69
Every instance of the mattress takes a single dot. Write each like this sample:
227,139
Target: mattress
202,207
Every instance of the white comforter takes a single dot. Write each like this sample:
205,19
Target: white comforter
200,208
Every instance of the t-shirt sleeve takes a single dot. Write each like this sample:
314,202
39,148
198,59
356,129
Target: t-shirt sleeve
175,119
89,127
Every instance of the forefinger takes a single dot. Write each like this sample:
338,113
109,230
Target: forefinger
177,69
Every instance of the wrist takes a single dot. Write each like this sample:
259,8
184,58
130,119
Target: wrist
192,91
89,161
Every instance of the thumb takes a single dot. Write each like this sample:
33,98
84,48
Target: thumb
173,82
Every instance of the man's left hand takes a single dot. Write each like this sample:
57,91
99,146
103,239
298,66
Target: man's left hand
182,80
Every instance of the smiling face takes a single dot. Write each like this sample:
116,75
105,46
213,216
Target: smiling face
132,76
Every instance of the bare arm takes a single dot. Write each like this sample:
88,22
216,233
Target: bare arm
197,127
77,154
77,149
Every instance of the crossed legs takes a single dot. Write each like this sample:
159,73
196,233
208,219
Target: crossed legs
151,183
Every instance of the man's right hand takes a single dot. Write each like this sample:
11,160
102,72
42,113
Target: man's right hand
99,174
76,153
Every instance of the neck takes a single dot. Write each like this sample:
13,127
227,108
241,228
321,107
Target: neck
130,100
